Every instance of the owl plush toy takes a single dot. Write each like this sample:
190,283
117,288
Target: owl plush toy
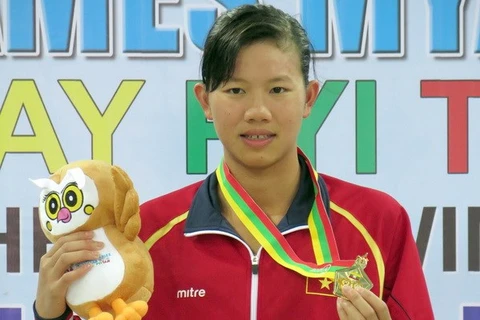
94,195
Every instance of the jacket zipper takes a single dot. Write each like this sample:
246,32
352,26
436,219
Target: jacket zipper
254,285
255,261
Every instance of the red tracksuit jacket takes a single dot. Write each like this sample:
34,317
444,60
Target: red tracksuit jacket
203,270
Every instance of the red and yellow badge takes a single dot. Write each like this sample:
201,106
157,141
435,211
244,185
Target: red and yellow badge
354,276
320,286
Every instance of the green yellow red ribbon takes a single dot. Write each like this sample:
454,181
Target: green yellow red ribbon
271,239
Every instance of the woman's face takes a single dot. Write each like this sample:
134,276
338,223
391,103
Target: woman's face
258,113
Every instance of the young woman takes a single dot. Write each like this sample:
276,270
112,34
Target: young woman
265,236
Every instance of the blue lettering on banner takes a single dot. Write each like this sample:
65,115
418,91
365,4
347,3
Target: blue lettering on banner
389,27
351,20
142,35
145,35
471,312
10,313
200,22
1,37
58,20
97,25
315,20
21,26
58,24
477,49
446,27
201,19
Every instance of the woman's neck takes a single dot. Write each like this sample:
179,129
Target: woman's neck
272,188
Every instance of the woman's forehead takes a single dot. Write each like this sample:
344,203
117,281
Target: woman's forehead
267,60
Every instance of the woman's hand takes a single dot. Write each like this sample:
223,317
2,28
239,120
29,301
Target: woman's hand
361,304
54,280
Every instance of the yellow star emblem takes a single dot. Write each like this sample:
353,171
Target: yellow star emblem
325,283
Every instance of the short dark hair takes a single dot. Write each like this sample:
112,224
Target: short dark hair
246,25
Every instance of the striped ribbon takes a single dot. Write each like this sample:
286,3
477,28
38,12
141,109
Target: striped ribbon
270,238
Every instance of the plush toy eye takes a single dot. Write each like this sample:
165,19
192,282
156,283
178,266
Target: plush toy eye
72,197
52,205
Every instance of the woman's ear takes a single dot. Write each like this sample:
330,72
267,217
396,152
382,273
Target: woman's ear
311,96
202,96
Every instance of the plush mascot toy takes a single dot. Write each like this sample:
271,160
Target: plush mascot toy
93,195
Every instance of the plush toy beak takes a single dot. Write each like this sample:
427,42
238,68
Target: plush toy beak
64,215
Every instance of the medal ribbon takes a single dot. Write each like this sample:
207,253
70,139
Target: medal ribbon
269,237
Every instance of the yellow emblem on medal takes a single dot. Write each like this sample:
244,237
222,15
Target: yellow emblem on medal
353,277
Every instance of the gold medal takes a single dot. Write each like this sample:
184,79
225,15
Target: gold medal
353,277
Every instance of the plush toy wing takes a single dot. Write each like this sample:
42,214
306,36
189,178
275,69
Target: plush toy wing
127,217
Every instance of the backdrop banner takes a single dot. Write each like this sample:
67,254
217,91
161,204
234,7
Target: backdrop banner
113,80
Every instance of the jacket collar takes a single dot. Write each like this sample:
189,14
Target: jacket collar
205,214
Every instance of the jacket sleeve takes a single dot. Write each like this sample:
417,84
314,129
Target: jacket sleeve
406,292
67,315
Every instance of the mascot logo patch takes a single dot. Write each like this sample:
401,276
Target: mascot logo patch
103,259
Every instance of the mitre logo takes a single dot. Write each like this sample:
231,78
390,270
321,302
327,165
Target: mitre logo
191,293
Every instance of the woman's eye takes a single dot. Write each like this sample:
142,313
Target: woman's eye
236,91
278,90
